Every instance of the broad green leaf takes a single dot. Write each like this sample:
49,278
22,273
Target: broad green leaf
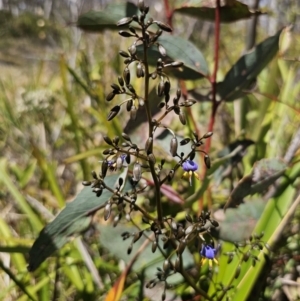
72,220
181,50
242,219
106,19
205,10
265,172
111,239
244,72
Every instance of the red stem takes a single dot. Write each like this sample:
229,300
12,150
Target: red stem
213,79
169,12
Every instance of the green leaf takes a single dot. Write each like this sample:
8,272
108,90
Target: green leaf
98,21
72,220
242,75
205,10
264,173
181,50
242,219
111,239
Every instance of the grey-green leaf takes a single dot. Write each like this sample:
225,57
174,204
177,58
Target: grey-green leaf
98,21
244,72
179,49
71,221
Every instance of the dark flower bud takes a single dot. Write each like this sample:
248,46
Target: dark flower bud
162,50
192,155
124,21
127,61
177,264
127,159
237,272
141,5
207,161
167,87
178,93
154,246
125,34
135,18
208,134
124,54
110,96
131,89
152,158
86,183
171,175
104,168
176,110
177,64
129,250
121,81
148,144
115,87
129,105
126,76
181,247
137,236
113,112
182,117
188,218
185,141
163,26
126,137
173,146
107,140
132,29
214,223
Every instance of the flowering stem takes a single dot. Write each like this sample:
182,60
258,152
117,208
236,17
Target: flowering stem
150,133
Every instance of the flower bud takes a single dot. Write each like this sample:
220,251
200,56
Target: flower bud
173,146
137,172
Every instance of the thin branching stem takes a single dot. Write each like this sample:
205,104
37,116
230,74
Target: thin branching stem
150,134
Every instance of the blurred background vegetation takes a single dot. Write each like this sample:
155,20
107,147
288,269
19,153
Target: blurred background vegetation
52,122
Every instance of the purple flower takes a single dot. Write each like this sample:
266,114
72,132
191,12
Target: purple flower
189,168
208,253
189,165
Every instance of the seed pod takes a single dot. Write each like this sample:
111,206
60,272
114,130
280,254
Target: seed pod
140,71
160,88
133,111
177,64
124,21
107,211
177,264
207,161
208,134
185,141
113,112
148,144
130,88
137,172
104,168
163,26
132,49
181,247
173,146
125,34
126,76
110,96
162,50
124,54
129,105
166,265
154,246
182,117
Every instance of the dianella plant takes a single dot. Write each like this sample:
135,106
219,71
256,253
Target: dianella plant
155,190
